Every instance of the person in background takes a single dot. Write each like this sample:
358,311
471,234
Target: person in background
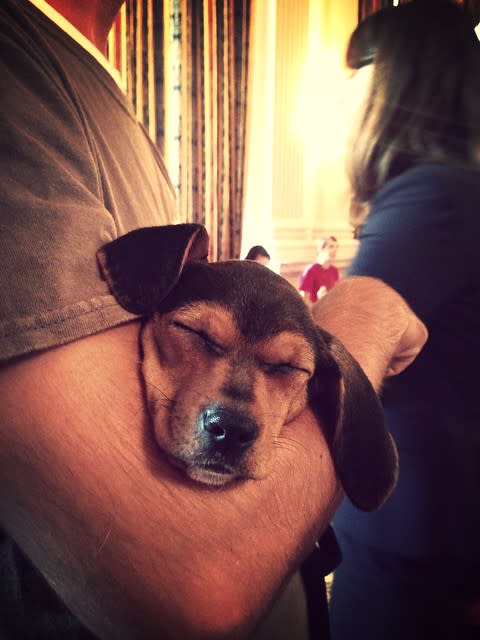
322,275
99,535
258,254
411,570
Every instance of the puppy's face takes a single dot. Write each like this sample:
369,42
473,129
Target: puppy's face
217,397
230,354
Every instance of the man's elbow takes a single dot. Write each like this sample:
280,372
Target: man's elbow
195,608
218,616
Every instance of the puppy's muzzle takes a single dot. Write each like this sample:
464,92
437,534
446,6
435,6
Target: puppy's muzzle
227,433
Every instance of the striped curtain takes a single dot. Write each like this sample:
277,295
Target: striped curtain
185,64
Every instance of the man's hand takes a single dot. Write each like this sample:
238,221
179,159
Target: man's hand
374,323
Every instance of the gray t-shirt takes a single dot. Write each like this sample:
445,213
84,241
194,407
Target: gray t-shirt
77,170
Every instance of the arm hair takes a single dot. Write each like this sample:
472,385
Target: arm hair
133,549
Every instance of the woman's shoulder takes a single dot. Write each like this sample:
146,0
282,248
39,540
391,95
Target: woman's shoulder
430,193
433,180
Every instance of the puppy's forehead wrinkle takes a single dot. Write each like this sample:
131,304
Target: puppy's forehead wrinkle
241,287
289,345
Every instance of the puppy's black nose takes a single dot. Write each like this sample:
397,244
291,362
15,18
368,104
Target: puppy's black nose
228,431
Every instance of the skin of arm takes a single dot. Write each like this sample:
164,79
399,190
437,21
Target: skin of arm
132,548
306,297
374,323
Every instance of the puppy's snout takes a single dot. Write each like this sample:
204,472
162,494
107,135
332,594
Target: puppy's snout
227,431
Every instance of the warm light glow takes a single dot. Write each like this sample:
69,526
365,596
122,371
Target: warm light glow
319,118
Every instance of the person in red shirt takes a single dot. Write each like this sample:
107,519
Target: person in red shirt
322,275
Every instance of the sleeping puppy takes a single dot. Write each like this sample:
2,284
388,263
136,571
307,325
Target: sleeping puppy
230,353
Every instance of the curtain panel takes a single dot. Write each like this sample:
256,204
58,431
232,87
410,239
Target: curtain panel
185,66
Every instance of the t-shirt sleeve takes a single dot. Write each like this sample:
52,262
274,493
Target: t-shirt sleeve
53,198
414,240
52,219
309,282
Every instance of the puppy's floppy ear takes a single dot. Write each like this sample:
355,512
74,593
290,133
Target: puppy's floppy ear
363,451
142,266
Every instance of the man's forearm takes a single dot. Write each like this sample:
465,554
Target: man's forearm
134,549
374,323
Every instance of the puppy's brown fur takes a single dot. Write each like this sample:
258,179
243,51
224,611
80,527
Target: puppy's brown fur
240,356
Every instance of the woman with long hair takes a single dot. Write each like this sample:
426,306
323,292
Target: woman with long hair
411,570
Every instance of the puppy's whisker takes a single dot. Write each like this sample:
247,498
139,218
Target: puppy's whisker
163,405
148,383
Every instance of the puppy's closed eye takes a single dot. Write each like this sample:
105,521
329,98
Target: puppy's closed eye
286,354
283,368
203,339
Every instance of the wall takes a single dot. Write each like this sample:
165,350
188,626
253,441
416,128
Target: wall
310,195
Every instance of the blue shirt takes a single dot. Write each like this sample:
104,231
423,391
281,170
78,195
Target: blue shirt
422,238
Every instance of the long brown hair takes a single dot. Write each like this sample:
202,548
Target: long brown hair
424,99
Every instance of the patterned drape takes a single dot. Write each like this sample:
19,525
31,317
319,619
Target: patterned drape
365,7
185,69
